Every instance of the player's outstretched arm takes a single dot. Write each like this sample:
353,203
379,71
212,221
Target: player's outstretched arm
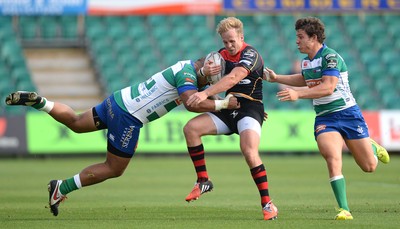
229,102
295,80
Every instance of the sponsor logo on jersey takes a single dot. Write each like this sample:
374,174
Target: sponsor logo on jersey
109,108
178,101
245,81
320,128
249,53
360,131
111,137
234,113
305,63
127,136
313,83
160,103
189,81
245,62
331,63
145,89
187,74
330,55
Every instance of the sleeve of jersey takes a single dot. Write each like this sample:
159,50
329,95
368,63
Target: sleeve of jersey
184,88
185,81
250,59
330,66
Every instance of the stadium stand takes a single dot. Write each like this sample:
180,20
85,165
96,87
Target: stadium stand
127,49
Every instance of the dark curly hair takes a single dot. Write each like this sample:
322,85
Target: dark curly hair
311,26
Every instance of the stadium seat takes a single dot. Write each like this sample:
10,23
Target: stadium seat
116,32
11,52
6,84
146,43
113,21
197,20
48,27
390,98
394,70
28,27
160,32
157,20
122,45
69,27
134,21
126,60
6,32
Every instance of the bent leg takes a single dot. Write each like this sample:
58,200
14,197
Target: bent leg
197,127
363,153
114,166
193,131
79,123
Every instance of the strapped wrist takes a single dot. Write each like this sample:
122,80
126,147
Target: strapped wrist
221,104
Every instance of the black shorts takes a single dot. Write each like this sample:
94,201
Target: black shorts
248,108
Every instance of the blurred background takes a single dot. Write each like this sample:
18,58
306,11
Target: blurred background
78,52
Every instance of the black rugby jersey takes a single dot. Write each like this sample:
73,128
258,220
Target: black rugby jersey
248,57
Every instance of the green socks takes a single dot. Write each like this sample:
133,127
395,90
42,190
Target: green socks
339,189
44,105
71,184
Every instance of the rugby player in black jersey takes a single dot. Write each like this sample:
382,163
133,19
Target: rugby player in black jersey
243,79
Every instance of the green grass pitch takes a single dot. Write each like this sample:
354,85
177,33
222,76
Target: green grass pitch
151,194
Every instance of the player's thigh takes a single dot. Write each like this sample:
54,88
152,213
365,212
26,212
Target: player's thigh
361,149
330,145
116,163
202,124
85,122
249,141
250,132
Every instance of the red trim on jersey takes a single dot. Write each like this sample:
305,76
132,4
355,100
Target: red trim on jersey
225,54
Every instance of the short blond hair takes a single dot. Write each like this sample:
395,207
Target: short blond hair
230,23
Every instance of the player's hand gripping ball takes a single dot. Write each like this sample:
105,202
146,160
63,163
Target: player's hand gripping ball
216,59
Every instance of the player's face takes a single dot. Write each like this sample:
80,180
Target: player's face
304,42
233,41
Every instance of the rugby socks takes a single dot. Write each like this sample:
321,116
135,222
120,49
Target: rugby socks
44,105
197,155
338,184
260,178
70,185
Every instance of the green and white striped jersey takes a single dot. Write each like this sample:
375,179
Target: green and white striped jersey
328,62
149,100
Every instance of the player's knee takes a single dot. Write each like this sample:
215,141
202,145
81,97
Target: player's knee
189,129
117,172
369,168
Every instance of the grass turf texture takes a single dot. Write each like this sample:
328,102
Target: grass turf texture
151,194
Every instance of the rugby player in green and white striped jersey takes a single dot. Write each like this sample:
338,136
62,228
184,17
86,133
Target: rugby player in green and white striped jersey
123,114
338,117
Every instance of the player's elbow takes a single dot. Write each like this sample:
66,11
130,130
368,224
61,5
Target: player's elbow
192,108
330,90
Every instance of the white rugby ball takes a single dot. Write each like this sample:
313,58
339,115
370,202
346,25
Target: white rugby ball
217,59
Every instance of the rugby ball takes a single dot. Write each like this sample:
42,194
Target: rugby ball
217,59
